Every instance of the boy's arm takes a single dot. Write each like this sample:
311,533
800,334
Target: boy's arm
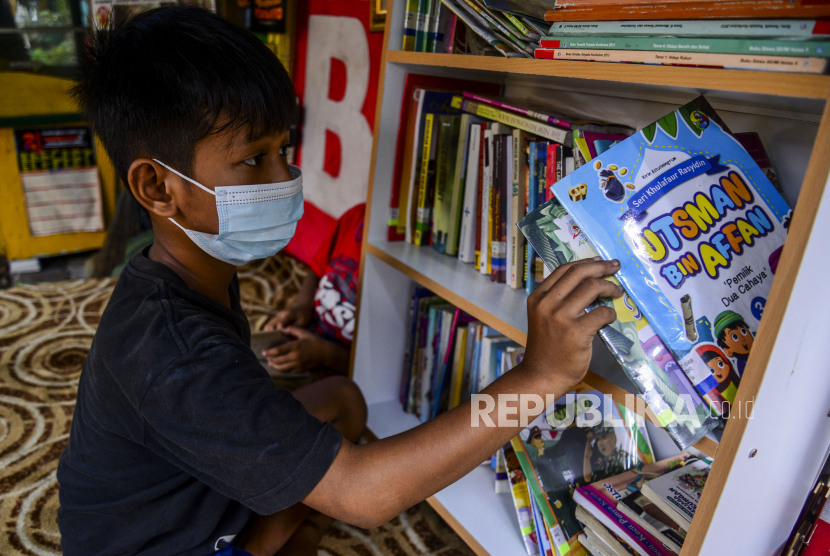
368,485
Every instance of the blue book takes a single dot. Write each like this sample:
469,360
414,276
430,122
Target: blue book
698,229
532,189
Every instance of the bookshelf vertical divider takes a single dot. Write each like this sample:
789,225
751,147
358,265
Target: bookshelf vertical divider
769,454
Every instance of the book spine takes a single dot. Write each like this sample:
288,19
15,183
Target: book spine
462,134
745,28
444,175
467,236
519,209
410,25
794,64
432,23
421,25
480,199
542,173
495,209
423,211
521,501
489,112
414,174
768,47
558,538
523,111
505,189
521,27
691,10
486,207
532,197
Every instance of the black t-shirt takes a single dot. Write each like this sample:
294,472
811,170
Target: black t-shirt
178,433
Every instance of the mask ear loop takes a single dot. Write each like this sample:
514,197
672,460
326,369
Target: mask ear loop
194,182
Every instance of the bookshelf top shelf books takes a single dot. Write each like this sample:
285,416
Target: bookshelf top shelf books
737,81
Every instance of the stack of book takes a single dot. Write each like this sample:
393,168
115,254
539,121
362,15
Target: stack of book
798,45
647,510
449,26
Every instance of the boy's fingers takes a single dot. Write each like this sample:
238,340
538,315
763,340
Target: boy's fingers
587,292
577,273
598,318
554,276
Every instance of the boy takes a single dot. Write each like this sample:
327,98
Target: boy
331,298
179,443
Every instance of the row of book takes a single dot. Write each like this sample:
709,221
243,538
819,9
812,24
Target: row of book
767,45
484,183
582,476
702,33
449,26
449,356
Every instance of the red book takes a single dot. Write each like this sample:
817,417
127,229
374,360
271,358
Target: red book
414,81
553,162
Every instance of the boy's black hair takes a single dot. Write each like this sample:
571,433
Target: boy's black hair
154,84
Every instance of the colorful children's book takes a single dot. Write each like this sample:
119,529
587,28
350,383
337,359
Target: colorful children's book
521,500
631,339
769,46
603,510
623,489
583,437
698,229
741,28
502,485
678,492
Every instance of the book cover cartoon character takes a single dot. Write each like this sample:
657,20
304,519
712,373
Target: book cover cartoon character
555,235
582,438
696,226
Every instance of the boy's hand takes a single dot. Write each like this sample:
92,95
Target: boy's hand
307,351
560,332
297,316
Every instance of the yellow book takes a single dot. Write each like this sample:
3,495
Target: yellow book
458,369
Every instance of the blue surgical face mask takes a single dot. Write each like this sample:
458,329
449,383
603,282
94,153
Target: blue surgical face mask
255,221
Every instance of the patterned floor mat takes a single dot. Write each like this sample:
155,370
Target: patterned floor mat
45,333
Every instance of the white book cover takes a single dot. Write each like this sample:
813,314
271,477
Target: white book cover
467,239
410,222
678,492
484,263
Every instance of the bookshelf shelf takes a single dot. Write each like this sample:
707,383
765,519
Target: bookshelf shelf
740,81
788,368
496,305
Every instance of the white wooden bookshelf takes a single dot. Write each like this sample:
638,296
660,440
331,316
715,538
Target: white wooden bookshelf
750,503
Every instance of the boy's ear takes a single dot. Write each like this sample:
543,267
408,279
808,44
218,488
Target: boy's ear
146,179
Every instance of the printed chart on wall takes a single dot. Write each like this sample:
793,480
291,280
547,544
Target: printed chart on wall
60,180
